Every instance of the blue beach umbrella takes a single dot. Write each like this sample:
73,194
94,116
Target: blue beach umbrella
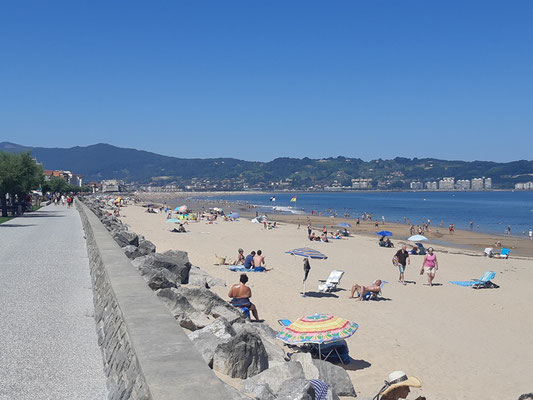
234,215
384,233
344,225
307,252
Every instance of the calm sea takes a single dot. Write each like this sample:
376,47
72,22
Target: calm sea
491,212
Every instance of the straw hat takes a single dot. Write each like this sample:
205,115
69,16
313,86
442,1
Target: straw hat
400,378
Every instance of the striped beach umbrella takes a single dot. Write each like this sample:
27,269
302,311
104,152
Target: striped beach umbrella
307,252
317,328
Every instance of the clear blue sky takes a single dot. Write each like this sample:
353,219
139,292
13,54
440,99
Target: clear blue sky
262,79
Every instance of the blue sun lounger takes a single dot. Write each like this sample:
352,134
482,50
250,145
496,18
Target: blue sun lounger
487,277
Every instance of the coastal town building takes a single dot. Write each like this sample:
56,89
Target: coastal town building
416,186
431,185
68,176
447,183
112,185
488,183
361,183
524,186
462,184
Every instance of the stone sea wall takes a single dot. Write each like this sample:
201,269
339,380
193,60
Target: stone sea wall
146,354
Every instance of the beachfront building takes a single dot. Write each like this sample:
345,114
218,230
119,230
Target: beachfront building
112,185
361,183
67,176
488,183
524,186
431,185
477,184
416,185
462,184
447,183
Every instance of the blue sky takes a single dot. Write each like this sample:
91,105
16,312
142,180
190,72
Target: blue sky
258,80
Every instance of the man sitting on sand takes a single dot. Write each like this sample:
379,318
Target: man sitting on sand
249,260
240,296
362,290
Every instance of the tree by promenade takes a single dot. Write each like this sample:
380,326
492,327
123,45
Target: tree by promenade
19,174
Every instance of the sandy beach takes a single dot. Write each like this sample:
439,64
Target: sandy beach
462,343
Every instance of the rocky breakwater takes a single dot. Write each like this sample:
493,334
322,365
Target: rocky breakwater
227,340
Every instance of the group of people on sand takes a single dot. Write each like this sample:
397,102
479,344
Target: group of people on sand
254,260
430,265
396,387
401,259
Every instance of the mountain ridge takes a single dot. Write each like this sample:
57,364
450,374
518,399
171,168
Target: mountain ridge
104,161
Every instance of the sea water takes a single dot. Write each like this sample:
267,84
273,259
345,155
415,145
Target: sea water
491,212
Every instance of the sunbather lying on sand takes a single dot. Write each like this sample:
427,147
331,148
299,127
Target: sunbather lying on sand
362,290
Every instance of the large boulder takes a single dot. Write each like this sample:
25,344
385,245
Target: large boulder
274,348
206,340
145,247
261,391
159,281
296,389
125,238
197,277
186,315
242,356
336,377
206,301
275,376
163,261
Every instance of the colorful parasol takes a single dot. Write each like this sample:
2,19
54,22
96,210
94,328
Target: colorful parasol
317,328
307,252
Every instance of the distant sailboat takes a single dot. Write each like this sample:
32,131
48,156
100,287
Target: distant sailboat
293,200
273,198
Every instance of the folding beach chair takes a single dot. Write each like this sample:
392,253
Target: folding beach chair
331,283
483,282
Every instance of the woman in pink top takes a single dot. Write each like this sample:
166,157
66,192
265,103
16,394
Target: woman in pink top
431,265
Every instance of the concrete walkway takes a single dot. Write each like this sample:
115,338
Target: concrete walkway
48,342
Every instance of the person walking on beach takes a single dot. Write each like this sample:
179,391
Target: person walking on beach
401,259
531,234
431,265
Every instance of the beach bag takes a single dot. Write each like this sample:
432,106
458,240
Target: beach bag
220,260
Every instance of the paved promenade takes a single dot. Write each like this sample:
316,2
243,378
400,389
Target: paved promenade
48,342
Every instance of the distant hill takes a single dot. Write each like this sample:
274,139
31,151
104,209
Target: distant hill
104,161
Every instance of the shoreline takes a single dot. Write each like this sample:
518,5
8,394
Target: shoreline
470,242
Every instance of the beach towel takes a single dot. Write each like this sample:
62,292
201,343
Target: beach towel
321,389
237,268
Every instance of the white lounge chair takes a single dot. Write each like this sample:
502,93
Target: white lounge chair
331,283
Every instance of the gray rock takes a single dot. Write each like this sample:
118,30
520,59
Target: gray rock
125,238
146,247
241,357
186,315
275,376
296,389
197,277
210,303
160,281
207,339
158,261
233,394
130,251
274,348
336,377
261,391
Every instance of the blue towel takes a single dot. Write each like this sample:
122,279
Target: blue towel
321,389
236,268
